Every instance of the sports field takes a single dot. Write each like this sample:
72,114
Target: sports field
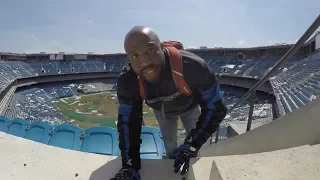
96,110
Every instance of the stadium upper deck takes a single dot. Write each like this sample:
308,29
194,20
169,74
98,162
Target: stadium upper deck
251,62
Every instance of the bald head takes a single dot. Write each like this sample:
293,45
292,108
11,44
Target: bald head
141,32
145,52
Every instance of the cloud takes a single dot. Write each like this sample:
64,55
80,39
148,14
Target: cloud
242,42
90,21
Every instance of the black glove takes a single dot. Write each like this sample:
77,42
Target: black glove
127,174
182,155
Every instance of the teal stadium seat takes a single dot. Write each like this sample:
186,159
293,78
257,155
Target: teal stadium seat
39,132
66,136
17,127
101,140
4,121
152,145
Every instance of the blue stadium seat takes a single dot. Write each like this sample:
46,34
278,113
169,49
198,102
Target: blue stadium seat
66,136
17,127
101,140
4,121
152,145
39,132
301,96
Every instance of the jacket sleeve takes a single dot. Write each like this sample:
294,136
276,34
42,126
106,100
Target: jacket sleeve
213,110
129,120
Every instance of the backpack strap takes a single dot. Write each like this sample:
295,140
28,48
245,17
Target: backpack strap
177,71
142,93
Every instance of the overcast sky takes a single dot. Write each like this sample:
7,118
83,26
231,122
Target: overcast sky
99,26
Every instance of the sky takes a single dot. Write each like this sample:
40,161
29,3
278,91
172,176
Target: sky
99,26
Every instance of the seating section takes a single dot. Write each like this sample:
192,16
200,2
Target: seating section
39,132
66,136
36,102
18,127
250,67
4,122
11,70
99,140
152,146
298,85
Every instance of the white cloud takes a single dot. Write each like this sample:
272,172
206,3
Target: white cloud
90,21
242,42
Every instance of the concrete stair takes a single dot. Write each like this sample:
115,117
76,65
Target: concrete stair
4,103
288,164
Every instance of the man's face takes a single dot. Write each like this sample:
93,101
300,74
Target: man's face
146,56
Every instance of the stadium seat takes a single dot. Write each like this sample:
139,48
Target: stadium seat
4,121
101,140
152,145
66,136
17,127
39,132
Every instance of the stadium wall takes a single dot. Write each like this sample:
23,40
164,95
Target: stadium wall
318,41
245,82
64,77
238,81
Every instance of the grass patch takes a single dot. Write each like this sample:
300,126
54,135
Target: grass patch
74,115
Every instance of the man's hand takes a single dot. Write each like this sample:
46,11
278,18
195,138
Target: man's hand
182,155
127,174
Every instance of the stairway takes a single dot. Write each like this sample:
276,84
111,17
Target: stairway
4,103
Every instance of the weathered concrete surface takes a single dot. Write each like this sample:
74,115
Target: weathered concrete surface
22,159
240,127
298,128
289,164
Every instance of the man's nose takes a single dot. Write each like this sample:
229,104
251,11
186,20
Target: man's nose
145,60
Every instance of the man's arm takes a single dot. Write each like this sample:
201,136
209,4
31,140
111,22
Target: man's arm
129,120
213,110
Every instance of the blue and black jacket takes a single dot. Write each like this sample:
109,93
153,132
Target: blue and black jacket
206,92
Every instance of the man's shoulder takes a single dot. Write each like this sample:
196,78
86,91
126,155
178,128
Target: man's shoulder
197,72
127,79
127,75
128,88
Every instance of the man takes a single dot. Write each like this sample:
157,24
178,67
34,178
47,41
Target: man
201,112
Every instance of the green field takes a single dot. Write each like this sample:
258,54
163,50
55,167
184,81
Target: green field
96,110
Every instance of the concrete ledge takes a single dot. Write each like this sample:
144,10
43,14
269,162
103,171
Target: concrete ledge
240,127
294,129
289,164
24,159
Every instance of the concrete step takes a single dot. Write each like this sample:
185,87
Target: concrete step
4,103
294,163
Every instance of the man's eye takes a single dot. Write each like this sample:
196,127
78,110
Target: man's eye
152,50
134,56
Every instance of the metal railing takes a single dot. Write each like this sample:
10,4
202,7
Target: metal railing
251,94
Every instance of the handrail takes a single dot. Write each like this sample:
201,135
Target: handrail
251,93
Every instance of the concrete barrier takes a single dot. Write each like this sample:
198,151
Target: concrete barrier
298,128
297,163
24,159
